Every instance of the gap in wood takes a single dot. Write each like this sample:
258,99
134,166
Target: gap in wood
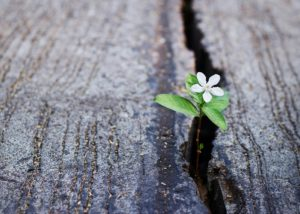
209,192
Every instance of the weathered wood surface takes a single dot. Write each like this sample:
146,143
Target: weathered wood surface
79,131
256,44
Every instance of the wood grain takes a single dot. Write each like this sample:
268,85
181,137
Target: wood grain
79,132
255,43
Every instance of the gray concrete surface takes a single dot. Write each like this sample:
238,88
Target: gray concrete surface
256,44
79,132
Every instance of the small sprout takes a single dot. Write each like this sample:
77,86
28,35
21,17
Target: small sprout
206,99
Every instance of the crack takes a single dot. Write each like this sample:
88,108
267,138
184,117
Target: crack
209,188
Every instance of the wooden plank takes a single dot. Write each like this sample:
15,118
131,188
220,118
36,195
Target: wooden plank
256,44
79,130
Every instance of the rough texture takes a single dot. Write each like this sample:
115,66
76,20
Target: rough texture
256,43
79,131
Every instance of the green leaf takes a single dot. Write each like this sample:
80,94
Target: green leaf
219,103
215,116
177,103
197,97
190,80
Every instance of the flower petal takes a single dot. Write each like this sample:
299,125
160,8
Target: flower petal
207,96
196,88
201,78
214,80
217,91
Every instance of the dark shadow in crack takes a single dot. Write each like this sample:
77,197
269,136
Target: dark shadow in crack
209,192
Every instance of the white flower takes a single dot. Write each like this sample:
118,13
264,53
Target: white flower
207,87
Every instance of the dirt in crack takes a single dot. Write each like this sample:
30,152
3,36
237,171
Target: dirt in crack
203,131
